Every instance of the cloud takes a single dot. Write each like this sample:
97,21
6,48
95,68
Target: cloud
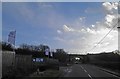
92,31
93,26
45,5
59,31
109,19
82,18
67,29
40,15
59,39
112,16
83,30
83,39
74,37
78,39
92,10
110,6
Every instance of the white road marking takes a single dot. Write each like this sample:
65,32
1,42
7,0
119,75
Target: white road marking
86,72
82,67
112,75
89,76
70,71
115,76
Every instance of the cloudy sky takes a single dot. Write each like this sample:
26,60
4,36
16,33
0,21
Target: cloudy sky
75,27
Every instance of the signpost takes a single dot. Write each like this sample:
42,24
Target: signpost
47,52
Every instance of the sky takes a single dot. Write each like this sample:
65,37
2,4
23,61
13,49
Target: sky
59,0
76,27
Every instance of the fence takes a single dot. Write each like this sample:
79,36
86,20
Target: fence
8,61
23,63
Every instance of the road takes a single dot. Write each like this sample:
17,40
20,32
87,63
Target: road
88,72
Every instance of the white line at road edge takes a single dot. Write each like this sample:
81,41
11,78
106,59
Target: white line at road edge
109,73
112,74
86,72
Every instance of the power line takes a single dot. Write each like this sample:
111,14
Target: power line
104,36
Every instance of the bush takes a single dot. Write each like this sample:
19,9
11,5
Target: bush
6,46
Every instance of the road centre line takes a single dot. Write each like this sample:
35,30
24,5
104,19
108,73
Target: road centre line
86,72
81,67
89,76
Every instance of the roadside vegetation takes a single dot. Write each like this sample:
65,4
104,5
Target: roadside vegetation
109,60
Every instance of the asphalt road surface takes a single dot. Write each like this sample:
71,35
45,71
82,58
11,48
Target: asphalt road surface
88,72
